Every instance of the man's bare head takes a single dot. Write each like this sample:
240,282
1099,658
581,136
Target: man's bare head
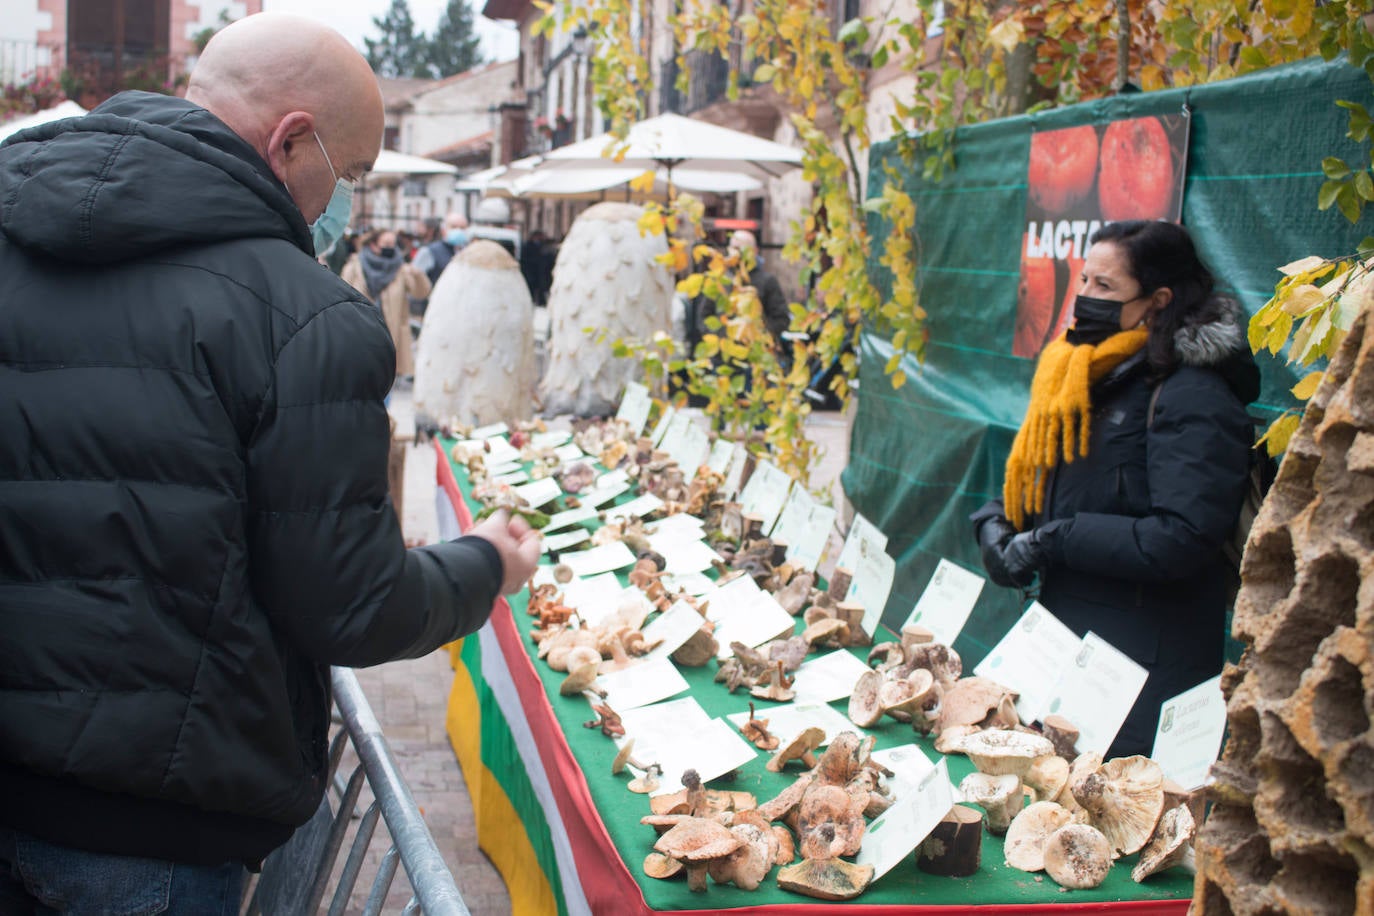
279,81
743,240
455,220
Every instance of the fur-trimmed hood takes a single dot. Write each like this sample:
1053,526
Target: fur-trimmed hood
1214,338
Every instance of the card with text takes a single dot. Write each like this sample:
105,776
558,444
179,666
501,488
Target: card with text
895,834
1096,692
1030,658
765,493
1188,737
634,407
944,606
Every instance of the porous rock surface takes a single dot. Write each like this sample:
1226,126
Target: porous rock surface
1292,826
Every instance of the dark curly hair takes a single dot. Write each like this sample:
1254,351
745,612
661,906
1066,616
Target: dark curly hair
1162,255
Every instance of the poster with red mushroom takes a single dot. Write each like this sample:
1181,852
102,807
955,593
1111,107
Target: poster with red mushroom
1079,178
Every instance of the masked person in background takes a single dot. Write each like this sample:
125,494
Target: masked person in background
380,272
434,257
193,454
1129,470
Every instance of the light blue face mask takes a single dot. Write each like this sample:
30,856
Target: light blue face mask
457,237
333,222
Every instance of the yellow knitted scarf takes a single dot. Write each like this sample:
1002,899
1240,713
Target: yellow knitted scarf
1057,417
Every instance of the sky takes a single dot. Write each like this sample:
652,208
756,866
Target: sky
353,18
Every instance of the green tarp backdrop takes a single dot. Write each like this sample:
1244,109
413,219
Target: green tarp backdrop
923,457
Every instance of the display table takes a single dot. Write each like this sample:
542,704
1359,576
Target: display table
565,833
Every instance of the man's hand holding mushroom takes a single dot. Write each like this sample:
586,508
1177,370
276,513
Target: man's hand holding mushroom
516,543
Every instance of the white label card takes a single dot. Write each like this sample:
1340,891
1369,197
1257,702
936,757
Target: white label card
594,598
692,583
690,450
635,508
828,677
511,478
680,526
719,458
681,556
1096,692
551,439
765,493
944,606
540,493
1029,658
606,558
662,720
909,765
756,623
498,428
872,582
734,597
603,493
505,467
634,407
568,453
734,474
860,531
803,526
641,684
661,426
570,517
498,449
556,542
672,436
712,749
1188,737
789,720
896,833
672,628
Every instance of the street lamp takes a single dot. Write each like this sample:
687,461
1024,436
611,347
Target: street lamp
577,47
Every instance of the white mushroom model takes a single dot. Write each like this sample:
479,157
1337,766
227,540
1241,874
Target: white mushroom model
606,287
476,352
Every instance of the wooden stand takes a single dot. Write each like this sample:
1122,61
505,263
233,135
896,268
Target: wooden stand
955,847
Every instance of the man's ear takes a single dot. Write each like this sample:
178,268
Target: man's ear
286,141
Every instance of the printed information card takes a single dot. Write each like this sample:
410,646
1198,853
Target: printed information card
1188,738
789,720
661,427
861,531
634,407
719,458
1030,658
872,583
1096,692
765,493
897,832
803,526
828,677
944,606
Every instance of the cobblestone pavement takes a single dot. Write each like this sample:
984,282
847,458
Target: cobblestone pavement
409,700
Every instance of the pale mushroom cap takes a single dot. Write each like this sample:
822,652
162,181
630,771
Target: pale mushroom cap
622,756
986,789
969,701
1025,842
1077,856
1124,798
1001,752
582,655
698,840
1047,776
1168,846
865,707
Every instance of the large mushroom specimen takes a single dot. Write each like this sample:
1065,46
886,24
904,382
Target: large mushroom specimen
476,356
1171,845
822,873
1124,799
696,842
999,796
606,278
999,753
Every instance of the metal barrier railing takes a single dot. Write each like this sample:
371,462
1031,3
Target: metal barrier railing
294,878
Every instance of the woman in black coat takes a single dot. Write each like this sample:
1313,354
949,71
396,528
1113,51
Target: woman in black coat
1129,471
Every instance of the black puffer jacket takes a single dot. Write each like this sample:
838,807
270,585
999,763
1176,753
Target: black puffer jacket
194,519
1140,561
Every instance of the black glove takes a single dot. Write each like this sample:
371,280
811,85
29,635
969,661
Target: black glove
1032,552
993,531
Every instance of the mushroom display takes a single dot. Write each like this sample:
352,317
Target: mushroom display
865,706
748,865
1124,799
696,842
799,748
1026,837
1077,856
821,873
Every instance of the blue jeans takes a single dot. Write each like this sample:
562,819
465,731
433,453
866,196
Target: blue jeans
41,879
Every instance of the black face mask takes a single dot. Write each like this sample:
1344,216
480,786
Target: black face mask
1094,320
387,252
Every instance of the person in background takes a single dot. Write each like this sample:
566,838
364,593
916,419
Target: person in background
536,265
193,454
1128,473
380,272
434,257
337,255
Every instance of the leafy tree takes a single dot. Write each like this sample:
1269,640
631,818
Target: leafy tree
400,51
454,46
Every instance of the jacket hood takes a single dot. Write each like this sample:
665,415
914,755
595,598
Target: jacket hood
139,174
1213,337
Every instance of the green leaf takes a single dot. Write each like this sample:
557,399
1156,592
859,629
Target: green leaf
1335,168
1349,203
765,73
854,32
1366,247
1252,58
880,57
1327,195
1364,185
